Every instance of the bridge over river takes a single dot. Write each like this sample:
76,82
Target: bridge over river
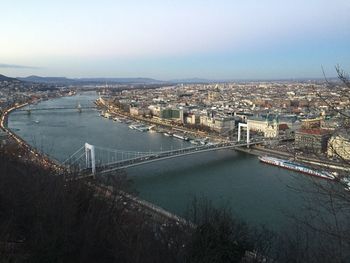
94,159
79,108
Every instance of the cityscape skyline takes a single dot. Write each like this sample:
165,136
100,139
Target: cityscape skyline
165,40
175,131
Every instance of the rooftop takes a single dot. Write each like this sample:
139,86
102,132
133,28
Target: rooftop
314,131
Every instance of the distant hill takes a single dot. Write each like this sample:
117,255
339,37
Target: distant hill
194,80
48,80
121,80
5,78
64,80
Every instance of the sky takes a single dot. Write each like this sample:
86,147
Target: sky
173,39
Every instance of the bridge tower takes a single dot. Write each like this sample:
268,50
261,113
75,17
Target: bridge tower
90,157
240,126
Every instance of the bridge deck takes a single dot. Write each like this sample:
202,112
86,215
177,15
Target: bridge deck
166,155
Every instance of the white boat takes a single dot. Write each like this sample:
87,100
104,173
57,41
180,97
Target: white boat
180,137
141,128
195,142
107,115
346,182
296,167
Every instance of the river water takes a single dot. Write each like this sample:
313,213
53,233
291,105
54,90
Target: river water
255,192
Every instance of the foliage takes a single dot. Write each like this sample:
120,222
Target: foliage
44,218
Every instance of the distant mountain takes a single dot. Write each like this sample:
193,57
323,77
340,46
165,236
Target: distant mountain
5,78
121,80
64,80
49,80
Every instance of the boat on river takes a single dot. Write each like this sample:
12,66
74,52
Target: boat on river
296,167
346,182
195,142
141,128
107,115
180,137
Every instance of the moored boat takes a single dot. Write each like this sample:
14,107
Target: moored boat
195,142
107,115
296,167
346,182
180,137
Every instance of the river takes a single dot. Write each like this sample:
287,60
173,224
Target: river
255,192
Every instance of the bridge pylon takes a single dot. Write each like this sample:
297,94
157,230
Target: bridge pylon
90,157
240,126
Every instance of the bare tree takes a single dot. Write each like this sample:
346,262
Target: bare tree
324,234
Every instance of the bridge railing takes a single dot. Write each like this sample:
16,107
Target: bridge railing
164,154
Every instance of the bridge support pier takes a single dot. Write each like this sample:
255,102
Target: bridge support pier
90,157
240,126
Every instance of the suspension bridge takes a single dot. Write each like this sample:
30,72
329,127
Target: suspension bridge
91,159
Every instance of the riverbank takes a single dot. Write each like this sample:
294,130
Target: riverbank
34,154
254,150
153,211
167,127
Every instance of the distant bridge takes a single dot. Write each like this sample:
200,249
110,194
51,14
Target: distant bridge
78,108
57,108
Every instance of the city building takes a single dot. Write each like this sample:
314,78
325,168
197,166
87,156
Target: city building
139,111
339,146
213,95
193,119
223,124
269,126
311,123
218,123
155,110
169,113
312,140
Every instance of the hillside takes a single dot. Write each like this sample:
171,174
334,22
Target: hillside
75,81
38,79
5,78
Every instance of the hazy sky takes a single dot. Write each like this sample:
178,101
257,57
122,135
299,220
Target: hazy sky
232,39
